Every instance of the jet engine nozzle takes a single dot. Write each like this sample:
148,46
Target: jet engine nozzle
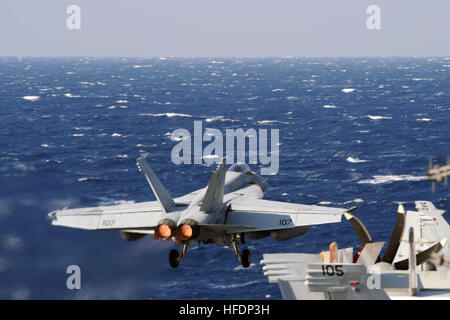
164,230
185,232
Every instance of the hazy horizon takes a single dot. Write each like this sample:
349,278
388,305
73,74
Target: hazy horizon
234,57
201,28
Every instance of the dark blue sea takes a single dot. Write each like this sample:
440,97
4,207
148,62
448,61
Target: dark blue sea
353,131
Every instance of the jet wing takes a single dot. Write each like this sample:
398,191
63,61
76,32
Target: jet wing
143,215
274,215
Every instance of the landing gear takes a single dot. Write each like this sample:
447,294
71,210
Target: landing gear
175,257
244,258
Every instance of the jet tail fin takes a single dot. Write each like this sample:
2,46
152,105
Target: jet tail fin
214,192
160,192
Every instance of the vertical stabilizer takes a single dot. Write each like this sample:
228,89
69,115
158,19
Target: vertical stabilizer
214,193
158,189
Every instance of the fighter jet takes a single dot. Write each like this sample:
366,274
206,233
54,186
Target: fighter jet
225,212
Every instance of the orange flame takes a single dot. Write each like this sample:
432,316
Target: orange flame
185,232
163,231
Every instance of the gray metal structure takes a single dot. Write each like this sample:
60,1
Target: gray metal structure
415,264
226,212
438,173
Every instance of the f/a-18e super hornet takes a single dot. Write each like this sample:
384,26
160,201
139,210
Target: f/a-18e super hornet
227,211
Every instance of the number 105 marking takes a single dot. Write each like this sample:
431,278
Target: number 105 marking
331,270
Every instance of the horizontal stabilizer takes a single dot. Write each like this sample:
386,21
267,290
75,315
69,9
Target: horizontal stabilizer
158,189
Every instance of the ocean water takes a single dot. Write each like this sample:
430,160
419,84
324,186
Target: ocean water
356,131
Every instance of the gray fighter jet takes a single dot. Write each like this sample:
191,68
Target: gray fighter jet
227,211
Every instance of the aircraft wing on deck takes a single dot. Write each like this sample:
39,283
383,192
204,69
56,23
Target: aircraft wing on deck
143,215
429,226
272,215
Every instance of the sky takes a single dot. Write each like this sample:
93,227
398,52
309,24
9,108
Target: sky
219,28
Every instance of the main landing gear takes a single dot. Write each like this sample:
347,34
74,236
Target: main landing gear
235,239
245,256
175,257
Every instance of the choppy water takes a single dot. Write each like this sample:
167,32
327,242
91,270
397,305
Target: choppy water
352,132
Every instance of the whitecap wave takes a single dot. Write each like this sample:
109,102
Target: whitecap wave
355,160
358,200
167,114
262,122
329,106
219,118
377,117
24,167
378,179
348,90
31,98
176,138
69,95
424,119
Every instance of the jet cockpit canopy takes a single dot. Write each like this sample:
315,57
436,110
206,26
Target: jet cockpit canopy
240,167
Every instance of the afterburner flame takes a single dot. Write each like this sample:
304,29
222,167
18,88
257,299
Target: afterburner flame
185,231
163,231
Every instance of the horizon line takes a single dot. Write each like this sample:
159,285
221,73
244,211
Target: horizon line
162,57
